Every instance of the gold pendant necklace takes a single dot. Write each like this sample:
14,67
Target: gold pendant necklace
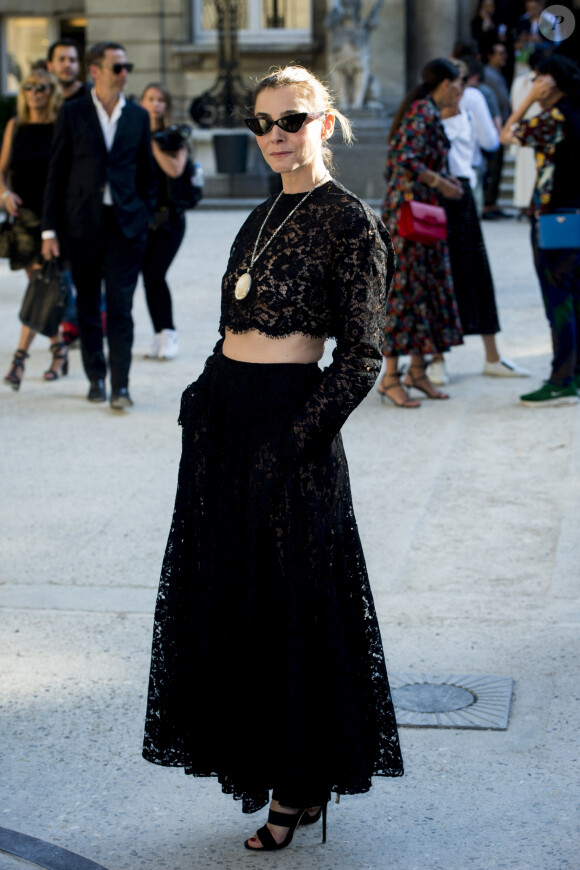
244,282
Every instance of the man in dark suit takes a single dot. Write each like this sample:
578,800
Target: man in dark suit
99,199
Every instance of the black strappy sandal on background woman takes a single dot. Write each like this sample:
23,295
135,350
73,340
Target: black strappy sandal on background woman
385,391
16,373
59,366
285,820
422,383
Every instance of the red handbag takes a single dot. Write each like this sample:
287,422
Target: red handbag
421,222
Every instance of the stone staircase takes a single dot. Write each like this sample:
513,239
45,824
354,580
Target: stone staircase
505,199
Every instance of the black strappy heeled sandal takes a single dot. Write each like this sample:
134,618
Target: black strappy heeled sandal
59,350
16,373
286,820
406,401
422,382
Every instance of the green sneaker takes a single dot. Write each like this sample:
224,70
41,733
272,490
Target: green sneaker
550,395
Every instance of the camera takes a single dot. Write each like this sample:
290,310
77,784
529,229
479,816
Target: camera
173,138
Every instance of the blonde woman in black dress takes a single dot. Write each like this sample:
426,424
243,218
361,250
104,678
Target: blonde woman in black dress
267,667
24,157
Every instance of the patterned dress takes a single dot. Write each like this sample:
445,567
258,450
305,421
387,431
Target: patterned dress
422,313
543,133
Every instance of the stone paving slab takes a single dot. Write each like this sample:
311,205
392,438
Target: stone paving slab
468,514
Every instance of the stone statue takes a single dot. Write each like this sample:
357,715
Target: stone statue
354,85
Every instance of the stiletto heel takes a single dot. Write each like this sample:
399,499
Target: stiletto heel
59,351
16,373
324,808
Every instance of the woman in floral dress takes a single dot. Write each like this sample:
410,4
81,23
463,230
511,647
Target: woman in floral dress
422,315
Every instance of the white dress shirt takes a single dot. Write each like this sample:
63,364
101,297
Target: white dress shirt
109,128
459,131
485,131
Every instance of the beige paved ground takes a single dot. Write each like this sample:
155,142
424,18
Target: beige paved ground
469,515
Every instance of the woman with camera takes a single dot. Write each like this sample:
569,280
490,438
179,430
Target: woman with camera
24,160
169,146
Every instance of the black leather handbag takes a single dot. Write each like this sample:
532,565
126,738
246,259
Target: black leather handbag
45,299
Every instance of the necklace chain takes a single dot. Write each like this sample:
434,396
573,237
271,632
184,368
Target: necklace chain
255,255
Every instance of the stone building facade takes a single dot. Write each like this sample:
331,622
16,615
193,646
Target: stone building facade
174,41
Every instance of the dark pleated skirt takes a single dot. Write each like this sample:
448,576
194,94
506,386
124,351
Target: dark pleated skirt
472,278
267,665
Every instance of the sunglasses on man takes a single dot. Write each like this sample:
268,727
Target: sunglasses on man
118,68
289,123
38,89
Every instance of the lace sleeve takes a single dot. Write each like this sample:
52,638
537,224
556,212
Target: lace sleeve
362,270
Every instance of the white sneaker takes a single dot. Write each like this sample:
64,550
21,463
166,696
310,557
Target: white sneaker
169,344
505,368
437,373
153,351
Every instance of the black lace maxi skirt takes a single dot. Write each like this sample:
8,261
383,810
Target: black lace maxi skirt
472,280
267,666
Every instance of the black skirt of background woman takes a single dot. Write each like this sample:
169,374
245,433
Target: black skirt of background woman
472,279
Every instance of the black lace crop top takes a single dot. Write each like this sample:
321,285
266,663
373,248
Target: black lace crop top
326,274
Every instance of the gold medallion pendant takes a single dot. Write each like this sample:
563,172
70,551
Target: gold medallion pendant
243,285
244,282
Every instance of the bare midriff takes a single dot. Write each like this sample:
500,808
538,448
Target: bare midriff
255,347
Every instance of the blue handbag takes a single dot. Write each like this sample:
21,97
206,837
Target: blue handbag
560,229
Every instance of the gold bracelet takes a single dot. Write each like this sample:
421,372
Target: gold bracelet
436,179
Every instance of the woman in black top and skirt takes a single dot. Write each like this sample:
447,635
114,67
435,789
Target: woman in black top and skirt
267,667
24,158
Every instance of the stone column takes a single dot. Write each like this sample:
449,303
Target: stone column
388,53
432,28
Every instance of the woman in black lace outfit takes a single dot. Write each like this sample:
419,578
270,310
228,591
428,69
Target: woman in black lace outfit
267,667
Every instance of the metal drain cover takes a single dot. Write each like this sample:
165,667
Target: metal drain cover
452,700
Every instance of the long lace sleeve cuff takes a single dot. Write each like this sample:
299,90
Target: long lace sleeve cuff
363,268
